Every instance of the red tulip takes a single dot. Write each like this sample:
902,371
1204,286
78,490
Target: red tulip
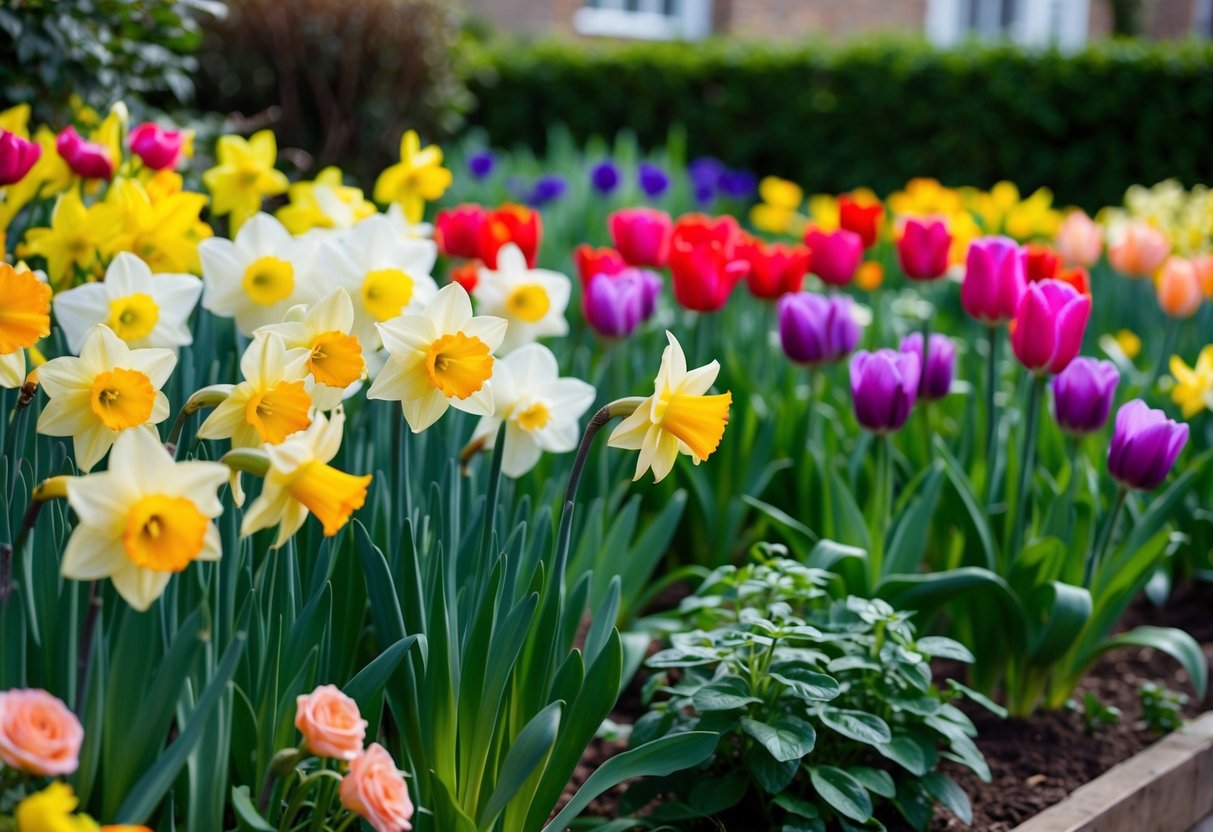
511,223
88,159
1078,277
1046,333
592,261
775,269
157,147
641,235
863,219
466,274
922,249
1042,264
835,256
17,156
457,230
703,261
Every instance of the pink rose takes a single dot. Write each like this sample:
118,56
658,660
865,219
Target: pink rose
38,734
374,789
330,723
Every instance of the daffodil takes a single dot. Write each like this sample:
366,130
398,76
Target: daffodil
385,274
533,301
142,309
1193,390
75,238
145,519
162,226
300,481
25,304
109,389
322,332
273,401
244,175
776,213
416,179
15,120
1034,217
678,418
405,228
540,409
258,276
324,203
50,810
441,357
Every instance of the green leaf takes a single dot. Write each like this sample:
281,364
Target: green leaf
656,758
787,738
876,780
1069,609
912,528
724,695
712,795
980,698
857,725
772,775
369,682
944,789
844,793
1174,642
528,750
906,753
827,553
796,806
944,648
246,813
805,682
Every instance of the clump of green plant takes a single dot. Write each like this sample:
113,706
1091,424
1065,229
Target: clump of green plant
1161,707
825,705
1096,716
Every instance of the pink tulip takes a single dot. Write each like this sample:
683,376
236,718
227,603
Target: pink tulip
1046,333
994,279
835,255
642,235
1079,240
17,156
157,147
87,159
922,249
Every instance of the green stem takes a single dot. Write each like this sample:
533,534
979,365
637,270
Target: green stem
992,342
1028,464
1105,536
490,503
884,505
1170,334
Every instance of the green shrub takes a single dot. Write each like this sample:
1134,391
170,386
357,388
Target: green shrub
876,112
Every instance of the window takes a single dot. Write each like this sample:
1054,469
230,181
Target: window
645,19
1061,23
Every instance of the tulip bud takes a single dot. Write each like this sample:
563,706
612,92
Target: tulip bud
17,157
817,329
835,255
1049,324
641,235
884,387
994,279
88,159
1137,248
1178,288
1083,394
922,249
1145,444
1079,240
936,380
158,148
615,304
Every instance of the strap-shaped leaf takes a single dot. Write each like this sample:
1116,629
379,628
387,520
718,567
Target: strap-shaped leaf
1069,610
528,750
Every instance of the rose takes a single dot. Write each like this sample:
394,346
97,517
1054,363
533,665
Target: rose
374,789
38,734
330,723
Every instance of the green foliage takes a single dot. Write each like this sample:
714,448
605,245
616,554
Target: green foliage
1074,123
1161,707
824,703
1096,716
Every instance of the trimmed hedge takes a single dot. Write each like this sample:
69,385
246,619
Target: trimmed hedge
877,112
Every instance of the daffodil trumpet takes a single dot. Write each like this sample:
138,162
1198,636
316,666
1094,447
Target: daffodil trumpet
206,397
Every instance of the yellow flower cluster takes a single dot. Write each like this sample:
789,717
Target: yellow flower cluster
1185,216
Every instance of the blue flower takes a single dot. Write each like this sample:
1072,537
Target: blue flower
481,164
738,184
653,180
604,176
547,189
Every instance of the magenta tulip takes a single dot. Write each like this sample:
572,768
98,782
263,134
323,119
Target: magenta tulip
641,235
157,147
1047,331
994,279
836,255
88,159
17,156
922,249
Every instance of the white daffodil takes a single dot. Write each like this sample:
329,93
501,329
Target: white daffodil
540,409
259,276
300,481
272,402
144,519
385,274
532,300
440,358
678,417
322,332
142,309
109,389
404,229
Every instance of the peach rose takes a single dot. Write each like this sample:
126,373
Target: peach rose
374,789
38,734
1178,287
330,723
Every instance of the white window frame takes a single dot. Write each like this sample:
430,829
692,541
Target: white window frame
1037,23
690,20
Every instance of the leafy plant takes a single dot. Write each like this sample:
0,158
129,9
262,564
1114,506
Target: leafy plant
1161,707
1096,716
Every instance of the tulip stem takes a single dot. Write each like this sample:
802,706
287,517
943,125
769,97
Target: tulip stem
992,341
883,498
1029,463
1105,536
1170,333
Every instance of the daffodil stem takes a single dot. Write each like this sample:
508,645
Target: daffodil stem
490,501
1105,536
174,434
992,341
596,423
1029,463
86,648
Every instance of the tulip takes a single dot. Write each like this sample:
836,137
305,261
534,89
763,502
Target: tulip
835,255
1203,263
615,304
457,230
1042,263
1049,324
592,261
17,156
511,223
467,275
1178,288
775,269
1137,248
994,279
884,386
642,235
861,218
1076,276
817,329
704,274
936,376
88,159
1083,393
922,249
1145,444
1079,240
156,147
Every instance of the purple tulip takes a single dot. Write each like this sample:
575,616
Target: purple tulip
604,176
481,164
936,379
615,304
884,386
995,276
816,329
1145,444
1083,393
653,180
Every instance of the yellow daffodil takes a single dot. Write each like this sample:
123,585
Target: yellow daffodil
258,276
439,358
1193,390
992,206
109,389
300,481
385,273
272,402
823,212
1129,343
777,212
1034,217
532,301
324,203
678,418
24,320
540,409
322,332
244,175
164,231
925,197
145,519
15,120
50,810
75,239
142,309
416,179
